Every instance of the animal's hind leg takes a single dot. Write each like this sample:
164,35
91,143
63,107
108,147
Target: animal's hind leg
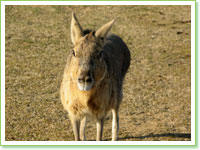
115,124
100,124
76,128
82,129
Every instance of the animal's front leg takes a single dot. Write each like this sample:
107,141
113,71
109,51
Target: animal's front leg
100,124
82,129
76,128
115,124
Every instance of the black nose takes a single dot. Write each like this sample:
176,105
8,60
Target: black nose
88,79
82,79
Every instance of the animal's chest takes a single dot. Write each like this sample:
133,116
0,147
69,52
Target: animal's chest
95,102
94,105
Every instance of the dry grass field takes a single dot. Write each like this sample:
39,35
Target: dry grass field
156,104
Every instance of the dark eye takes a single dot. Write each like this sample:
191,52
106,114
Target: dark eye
73,52
101,54
102,39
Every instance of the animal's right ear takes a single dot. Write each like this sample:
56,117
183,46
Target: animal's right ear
103,31
76,30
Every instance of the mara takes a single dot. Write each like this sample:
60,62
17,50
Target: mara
93,78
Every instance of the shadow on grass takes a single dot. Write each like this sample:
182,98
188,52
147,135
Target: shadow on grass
173,135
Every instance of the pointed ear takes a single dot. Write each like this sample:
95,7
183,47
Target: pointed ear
76,30
103,31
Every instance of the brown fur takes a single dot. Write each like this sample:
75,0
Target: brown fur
102,59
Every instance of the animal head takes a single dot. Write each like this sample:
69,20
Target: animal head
88,64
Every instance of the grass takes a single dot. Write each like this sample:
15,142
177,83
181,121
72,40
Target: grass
157,99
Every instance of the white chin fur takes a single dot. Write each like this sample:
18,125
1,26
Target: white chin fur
84,87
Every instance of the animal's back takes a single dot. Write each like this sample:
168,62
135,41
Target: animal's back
117,56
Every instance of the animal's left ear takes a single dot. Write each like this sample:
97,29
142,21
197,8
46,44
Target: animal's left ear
103,31
76,29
